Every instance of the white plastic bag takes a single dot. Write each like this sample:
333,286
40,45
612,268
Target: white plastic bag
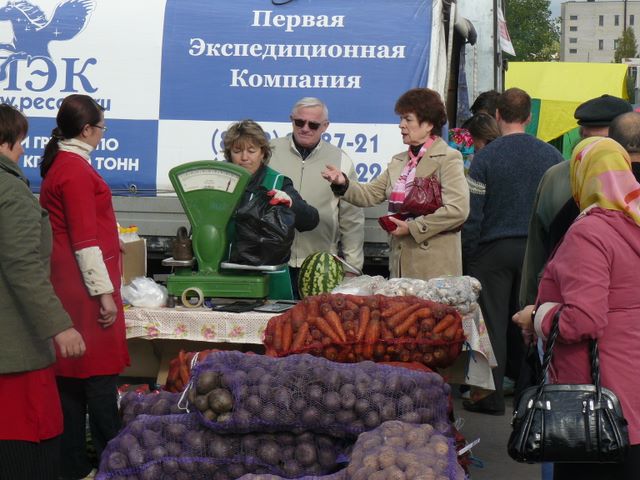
144,292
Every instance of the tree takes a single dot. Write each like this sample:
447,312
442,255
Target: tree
534,34
627,46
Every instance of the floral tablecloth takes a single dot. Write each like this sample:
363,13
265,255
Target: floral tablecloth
197,324
200,324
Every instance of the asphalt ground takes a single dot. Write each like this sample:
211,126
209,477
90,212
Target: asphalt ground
490,458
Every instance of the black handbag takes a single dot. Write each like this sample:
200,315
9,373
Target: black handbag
568,423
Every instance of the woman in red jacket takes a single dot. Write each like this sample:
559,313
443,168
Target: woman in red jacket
85,272
592,278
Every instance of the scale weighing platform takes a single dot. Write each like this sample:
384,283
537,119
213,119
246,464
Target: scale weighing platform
209,192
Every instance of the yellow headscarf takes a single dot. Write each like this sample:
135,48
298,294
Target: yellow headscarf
601,174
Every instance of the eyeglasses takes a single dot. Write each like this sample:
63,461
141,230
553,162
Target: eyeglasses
101,127
298,122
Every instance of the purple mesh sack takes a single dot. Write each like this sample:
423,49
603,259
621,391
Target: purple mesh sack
234,392
133,404
402,450
340,475
179,447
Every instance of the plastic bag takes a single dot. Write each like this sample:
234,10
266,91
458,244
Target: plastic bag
144,292
362,285
264,233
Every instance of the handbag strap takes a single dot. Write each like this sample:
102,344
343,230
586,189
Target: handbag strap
548,354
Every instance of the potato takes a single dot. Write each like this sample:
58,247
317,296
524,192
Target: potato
207,381
379,475
220,400
363,473
406,458
395,442
394,473
386,457
371,461
393,428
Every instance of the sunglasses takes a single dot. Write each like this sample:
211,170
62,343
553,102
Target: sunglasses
298,122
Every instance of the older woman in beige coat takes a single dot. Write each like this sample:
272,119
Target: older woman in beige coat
425,246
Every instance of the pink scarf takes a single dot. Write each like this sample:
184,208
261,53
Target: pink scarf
396,199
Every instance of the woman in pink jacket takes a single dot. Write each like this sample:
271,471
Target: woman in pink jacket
593,278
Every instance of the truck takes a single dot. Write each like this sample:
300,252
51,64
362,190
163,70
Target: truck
173,74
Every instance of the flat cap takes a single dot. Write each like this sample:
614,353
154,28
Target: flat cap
601,111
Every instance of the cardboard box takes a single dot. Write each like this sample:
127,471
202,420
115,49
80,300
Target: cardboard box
134,260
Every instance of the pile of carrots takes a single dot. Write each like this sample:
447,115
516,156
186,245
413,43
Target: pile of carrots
348,328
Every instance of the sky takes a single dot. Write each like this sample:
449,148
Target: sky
555,8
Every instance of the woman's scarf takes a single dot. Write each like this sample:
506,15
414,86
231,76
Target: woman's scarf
601,175
396,199
76,146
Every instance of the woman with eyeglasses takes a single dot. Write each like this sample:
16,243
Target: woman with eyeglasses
428,245
85,273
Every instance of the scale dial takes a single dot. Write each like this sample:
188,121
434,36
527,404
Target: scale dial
208,179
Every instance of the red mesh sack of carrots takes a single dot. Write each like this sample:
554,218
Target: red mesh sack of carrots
180,369
349,328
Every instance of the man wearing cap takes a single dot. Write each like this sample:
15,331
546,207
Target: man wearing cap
554,209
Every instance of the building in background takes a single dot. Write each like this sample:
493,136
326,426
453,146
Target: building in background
590,30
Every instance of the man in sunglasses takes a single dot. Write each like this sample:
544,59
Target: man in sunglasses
302,157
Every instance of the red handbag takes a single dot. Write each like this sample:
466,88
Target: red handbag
423,196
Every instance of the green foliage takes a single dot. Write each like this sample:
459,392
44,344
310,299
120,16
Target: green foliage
534,34
627,46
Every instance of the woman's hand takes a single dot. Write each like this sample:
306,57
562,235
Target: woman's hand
402,228
333,175
70,343
524,319
108,310
279,198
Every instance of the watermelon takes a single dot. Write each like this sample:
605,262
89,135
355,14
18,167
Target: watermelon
320,273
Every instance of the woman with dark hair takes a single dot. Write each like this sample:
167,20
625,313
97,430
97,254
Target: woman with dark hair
32,320
422,246
483,129
85,272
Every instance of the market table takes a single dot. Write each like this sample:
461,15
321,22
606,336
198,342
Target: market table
174,328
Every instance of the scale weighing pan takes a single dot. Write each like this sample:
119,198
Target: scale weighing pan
209,192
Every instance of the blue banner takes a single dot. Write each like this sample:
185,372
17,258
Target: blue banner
254,59
125,158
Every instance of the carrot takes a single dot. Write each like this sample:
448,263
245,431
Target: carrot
357,299
402,315
184,373
287,335
445,323
277,334
323,326
393,308
298,316
365,316
301,337
349,305
371,335
313,309
459,334
450,332
334,322
410,321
